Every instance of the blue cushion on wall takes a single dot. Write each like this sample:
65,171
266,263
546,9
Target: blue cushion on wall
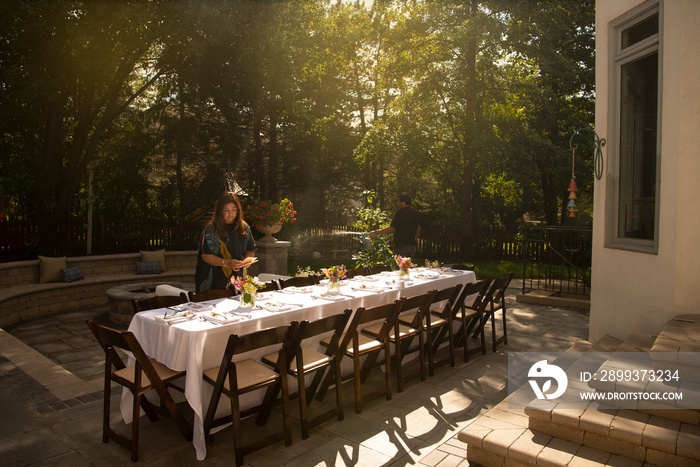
148,267
71,274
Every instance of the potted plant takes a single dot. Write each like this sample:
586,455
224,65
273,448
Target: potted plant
268,217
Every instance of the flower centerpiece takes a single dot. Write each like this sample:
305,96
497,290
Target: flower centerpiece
404,264
248,288
268,217
334,275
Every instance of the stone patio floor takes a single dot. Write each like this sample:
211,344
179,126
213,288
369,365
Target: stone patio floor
51,373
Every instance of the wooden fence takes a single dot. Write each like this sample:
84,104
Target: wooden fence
19,239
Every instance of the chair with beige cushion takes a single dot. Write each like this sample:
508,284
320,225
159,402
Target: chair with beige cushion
410,324
438,326
145,374
235,378
495,301
309,361
470,311
356,345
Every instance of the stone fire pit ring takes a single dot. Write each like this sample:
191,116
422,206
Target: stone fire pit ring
119,298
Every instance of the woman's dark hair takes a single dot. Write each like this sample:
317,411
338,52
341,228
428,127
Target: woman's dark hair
217,218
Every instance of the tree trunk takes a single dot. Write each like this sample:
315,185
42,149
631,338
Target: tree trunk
549,195
273,161
255,158
466,214
179,154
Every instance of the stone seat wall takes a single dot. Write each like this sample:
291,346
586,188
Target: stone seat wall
23,297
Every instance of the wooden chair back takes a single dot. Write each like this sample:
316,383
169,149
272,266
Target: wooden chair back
299,281
500,286
270,286
379,268
159,301
357,272
211,294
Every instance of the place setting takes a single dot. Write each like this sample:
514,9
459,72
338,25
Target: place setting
295,290
373,288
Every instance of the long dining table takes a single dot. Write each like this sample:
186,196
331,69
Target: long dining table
196,342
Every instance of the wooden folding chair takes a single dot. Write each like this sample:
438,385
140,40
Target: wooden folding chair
211,294
471,306
356,345
159,301
438,326
308,360
233,379
270,286
357,272
410,323
299,281
496,300
462,267
144,375
379,268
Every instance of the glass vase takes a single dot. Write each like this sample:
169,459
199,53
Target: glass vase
403,274
247,300
333,287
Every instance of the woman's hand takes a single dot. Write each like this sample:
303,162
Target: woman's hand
236,264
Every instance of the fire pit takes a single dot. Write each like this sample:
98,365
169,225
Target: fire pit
119,298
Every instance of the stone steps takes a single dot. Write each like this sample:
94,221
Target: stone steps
597,437
628,433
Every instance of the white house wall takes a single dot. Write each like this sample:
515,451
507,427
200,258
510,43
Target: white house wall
639,292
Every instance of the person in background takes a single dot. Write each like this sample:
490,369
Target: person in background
405,225
225,242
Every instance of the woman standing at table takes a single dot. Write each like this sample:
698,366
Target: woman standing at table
225,242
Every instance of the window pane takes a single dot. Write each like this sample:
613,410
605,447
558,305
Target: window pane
638,130
640,31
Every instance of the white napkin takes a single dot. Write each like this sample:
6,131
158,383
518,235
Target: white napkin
325,296
222,318
291,290
426,275
448,271
192,306
365,278
369,288
274,306
173,320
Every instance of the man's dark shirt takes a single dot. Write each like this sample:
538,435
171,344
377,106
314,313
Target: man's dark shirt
405,223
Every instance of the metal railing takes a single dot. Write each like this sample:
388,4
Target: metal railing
557,259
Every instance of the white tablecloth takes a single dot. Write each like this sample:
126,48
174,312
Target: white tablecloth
198,345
